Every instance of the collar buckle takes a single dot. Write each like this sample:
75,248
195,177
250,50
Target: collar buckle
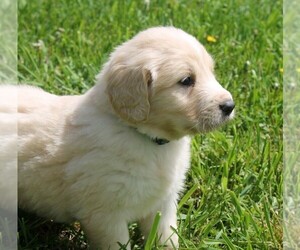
160,141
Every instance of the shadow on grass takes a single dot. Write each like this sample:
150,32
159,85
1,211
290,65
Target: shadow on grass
39,233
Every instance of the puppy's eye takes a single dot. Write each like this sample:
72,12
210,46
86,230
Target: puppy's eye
187,81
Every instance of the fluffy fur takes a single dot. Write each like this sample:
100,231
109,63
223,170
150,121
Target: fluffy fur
92,158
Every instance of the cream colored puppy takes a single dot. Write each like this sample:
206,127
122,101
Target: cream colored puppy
120,152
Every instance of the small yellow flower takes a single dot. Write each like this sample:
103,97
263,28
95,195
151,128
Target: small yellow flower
211,39
281,70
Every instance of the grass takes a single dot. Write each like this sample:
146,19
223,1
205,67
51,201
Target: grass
233,197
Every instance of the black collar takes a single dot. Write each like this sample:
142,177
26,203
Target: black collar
160,141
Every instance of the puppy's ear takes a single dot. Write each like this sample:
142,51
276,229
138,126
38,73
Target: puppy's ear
128,91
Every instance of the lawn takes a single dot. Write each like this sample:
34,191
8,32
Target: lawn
233,197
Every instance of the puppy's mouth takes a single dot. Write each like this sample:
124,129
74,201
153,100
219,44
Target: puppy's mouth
210,121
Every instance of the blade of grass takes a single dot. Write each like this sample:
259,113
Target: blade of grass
153,232
188,195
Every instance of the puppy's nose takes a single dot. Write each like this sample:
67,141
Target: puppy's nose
227,107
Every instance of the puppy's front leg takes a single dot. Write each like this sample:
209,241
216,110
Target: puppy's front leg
105,232
168,220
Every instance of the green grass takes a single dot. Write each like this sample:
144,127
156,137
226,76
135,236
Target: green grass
233,197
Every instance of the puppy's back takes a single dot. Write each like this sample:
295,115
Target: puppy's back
41,118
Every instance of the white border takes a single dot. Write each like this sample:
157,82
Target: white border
8,126
291,131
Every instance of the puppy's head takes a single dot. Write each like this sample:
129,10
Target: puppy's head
162,83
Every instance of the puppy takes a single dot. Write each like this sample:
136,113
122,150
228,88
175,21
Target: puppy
120,152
